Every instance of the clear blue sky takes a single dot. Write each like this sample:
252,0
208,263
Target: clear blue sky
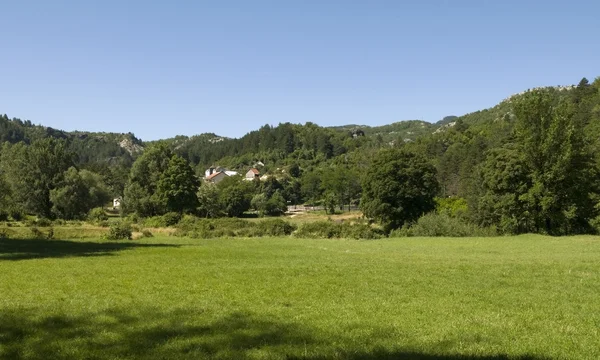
163,68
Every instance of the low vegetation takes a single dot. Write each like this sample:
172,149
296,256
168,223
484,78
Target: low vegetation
527,297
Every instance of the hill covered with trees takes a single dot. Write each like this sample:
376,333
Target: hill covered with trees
528,164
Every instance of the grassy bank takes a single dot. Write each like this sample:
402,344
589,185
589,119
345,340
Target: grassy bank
527,297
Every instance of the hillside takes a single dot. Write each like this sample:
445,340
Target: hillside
276,146
89,147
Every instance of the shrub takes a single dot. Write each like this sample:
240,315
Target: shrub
166,220
3,215
4,234
330,229
452,206
118,231
171,218
147,233
50,234
360,231
433,224
274,227
43,222
133,218
36,233
97,215
104,223
319,229
213,228
16,215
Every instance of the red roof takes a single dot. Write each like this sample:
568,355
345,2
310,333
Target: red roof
210,177
256,172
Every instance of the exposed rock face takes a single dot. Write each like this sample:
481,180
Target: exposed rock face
130,146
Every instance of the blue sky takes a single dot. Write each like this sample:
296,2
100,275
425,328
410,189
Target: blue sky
164,68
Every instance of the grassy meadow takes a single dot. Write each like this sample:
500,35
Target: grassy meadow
526,297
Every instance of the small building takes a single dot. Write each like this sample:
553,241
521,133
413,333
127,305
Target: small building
252,174
211,170
217,177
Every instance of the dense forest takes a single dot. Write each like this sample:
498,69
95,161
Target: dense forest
529,164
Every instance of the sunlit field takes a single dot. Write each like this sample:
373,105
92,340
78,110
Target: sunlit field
526,297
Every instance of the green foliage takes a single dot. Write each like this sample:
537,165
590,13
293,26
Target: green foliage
399,188
147,233
330,229
97,215
545,182
33,171
208,199
442,224
276,205
178,186
78,193
166,220
119,231
274,227
160,181
36,233
235,201
451,206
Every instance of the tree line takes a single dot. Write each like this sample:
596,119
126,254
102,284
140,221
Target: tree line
530,164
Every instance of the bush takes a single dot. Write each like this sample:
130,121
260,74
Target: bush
451,206
330,229
433,224
3,215
97,215
214,228
36,233
118,231
104,223
4,234
166,220
50,234
43,222
16,215
274,227
171,218
147,233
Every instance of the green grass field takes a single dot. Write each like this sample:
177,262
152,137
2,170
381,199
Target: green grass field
527,297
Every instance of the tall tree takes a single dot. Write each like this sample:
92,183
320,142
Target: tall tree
400,187
559,161
178,185
33,171
78,193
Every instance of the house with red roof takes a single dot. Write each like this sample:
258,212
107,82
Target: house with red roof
252,174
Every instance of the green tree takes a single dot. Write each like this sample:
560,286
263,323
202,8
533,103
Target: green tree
77,194
177,186
559,162
401,187
235,201
159,182
33,171
208,201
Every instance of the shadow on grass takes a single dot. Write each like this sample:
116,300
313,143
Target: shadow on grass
189,334
25,249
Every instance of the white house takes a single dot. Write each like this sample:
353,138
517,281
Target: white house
252,174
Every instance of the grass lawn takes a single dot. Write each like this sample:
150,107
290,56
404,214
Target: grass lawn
527,297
